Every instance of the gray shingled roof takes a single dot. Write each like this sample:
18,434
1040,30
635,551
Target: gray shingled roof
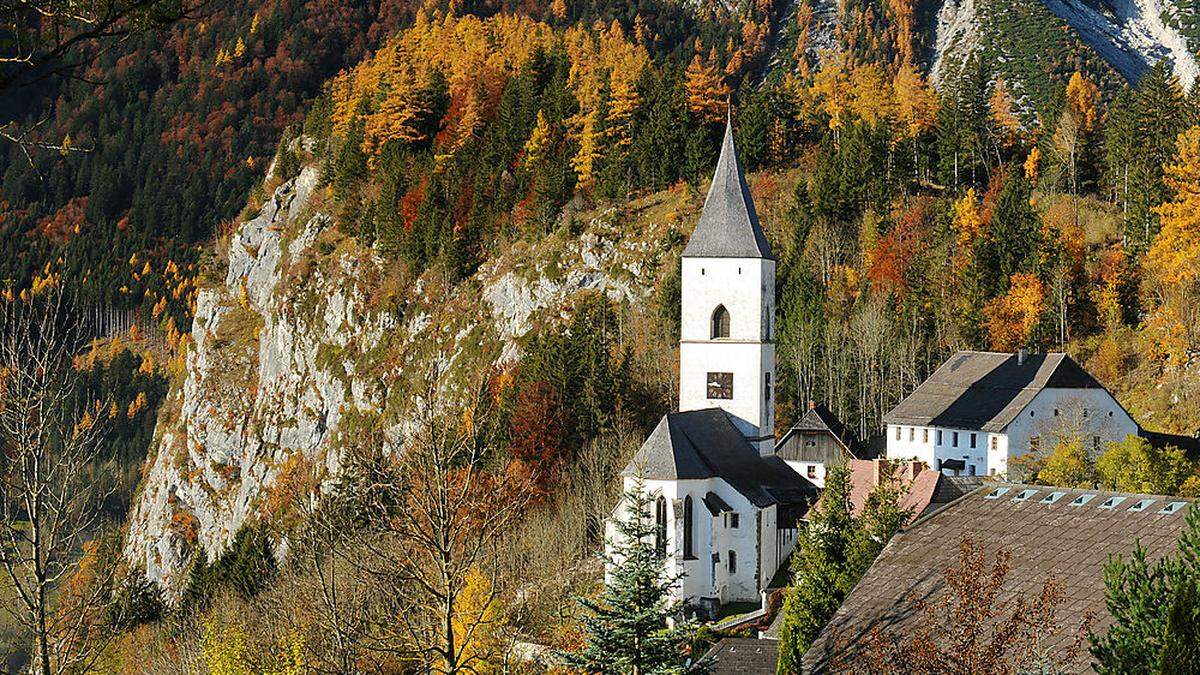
986,390
728,226
702,444
743,656
1062,539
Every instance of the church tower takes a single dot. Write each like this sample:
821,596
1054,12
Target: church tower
727,332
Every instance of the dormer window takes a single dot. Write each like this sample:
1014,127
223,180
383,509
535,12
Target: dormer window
720,322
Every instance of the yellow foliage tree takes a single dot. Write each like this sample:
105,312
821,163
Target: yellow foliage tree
584,161
916,104
1011,318
1083,96
538,143
479,625
1069,465
968,221
1031,164
871,96
830,89
707,93
1173,263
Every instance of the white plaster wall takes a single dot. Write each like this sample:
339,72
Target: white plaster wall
711,535
1104,418
746,287
922,443
818,476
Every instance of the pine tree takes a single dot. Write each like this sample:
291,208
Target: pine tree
628,628
1151,634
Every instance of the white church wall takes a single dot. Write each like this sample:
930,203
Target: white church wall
746,288
738,586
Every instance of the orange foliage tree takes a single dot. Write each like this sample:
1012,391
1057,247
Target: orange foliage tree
707,93
1173,262
1012,317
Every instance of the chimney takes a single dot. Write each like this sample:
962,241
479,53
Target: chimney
1022,355
914,467
813,404
878,471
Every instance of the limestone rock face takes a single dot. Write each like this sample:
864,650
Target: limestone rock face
303,334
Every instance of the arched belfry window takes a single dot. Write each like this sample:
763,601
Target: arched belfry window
660,525
720,322
687,527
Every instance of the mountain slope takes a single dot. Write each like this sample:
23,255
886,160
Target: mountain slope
307,335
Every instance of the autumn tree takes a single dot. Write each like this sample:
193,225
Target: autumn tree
1173,262
435,517
50,503
1012,318
707,93
1134,465
970,627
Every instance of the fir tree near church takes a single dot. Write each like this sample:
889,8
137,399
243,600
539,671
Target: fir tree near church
628,628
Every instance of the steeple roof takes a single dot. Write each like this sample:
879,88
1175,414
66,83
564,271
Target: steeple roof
728,226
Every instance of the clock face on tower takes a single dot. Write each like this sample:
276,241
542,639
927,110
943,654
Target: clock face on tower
720,385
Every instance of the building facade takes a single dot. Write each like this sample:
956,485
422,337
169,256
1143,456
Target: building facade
981,410
726,507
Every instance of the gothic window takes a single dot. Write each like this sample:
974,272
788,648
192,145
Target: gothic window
720,385
720,322
660,525
687,528
767,387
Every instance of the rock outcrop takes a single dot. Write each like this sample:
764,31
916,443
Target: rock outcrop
303,336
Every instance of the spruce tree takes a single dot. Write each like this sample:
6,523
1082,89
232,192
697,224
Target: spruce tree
1154,609
628,629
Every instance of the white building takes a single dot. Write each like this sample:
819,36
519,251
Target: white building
726,506
980,410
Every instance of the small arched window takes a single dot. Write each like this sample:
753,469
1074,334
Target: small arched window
687,527
660,525
720,322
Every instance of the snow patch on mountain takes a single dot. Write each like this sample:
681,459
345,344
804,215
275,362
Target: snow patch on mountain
957,36
1130,35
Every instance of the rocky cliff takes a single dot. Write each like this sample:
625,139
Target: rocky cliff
309,332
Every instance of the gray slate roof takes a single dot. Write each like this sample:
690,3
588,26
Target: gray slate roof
1067,541
986,390
701,444
743,656
728,226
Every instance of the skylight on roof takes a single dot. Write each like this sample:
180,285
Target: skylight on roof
1141,505
1112,502
1052,498
1024,495
1081,500
997,493
1173,507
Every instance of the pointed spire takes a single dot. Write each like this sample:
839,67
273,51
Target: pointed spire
728,226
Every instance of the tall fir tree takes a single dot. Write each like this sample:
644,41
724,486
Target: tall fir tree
629,627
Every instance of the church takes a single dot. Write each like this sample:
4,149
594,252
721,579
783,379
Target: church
726,506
